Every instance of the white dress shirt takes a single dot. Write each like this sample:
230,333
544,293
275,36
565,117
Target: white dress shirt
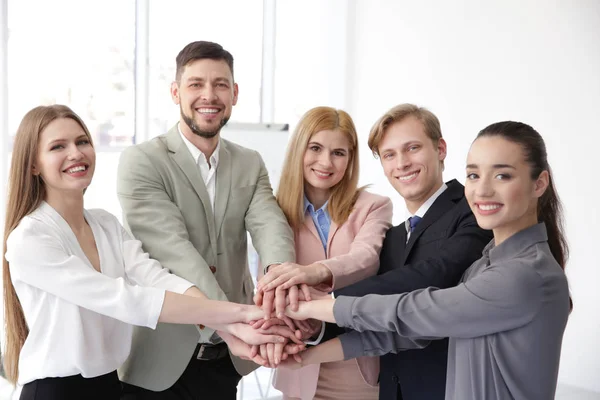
424,208
80,320
208,171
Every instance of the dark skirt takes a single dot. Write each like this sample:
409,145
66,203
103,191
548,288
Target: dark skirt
76,387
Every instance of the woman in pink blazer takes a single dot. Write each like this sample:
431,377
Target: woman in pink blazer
339,229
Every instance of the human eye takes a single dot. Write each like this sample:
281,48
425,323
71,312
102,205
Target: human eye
472,176
56,147
222,85
413,147
83,142
195,85
503,177
387,156
315,148
339,153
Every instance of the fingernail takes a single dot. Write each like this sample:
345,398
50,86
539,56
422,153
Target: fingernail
280,315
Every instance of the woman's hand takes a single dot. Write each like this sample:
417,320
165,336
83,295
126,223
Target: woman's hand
241,349
316,309
287,275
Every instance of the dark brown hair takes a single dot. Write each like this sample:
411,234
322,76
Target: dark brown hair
201,50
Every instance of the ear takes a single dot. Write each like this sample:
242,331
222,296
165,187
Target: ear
541,184
175,92
235,93
34,170
442,148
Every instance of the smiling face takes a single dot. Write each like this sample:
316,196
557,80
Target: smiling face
411,161
499,187
66,158
206,95
326,159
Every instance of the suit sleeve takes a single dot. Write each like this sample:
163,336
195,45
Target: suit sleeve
271,234
442,269
370,343
362,260
501,298
157,222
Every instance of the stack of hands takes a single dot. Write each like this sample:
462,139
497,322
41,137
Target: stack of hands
273,331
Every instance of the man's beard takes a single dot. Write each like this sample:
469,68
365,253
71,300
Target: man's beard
196,129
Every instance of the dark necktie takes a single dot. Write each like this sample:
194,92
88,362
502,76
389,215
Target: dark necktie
413,221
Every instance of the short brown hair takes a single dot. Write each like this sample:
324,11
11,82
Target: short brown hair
398,113
201,50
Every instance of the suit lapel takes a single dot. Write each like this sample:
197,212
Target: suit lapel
223,187
333,228
440,206
182,157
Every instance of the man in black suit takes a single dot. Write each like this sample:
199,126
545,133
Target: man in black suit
433,247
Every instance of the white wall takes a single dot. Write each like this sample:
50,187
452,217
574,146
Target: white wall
473,63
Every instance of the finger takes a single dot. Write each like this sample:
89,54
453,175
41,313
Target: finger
258,298
298,358
288,322
280,280
267,306
302,325
293,295
280,301
271,354
285,332
305,291
258,324
263,352
278,352
254,351
292,348
270,277
260,361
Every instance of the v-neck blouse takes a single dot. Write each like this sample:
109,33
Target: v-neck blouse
80,320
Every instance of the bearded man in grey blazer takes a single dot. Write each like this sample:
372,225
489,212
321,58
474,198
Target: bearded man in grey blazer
190,197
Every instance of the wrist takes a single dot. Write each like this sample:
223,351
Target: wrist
324,274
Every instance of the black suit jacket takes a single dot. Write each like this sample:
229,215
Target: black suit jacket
443,245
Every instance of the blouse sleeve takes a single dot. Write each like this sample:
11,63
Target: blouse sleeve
146,271
38,259
501,298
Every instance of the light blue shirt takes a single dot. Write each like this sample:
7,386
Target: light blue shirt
321,219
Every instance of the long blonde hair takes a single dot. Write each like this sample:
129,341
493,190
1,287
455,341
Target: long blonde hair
290,194
25,193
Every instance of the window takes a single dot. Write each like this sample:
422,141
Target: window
76,53
236,25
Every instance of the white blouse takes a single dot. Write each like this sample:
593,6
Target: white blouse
80,320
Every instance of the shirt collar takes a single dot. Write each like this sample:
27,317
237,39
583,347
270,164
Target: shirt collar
199,157
425,206
515,244
308,206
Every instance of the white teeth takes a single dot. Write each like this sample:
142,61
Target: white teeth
207,111
76,169
321,174
489,207
407,178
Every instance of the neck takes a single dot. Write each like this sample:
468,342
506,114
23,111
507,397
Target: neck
70,207
502,233
413,205
206,145
317,197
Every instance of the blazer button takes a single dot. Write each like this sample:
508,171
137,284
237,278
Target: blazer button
213,269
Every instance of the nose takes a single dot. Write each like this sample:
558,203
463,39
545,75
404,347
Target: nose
209,94
75,153
402,161
325,159
484,188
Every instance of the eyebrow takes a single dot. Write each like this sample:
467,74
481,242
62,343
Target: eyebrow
319,144
198,79
495,166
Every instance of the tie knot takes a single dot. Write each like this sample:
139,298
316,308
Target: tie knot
413,221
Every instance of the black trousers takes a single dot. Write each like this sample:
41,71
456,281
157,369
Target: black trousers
202,380
76,387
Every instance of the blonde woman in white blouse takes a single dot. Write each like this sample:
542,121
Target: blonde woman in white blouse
75,281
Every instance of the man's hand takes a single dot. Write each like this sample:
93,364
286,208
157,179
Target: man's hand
241,349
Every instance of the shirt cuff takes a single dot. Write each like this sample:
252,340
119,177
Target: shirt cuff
266,267
352,345
318,339
342,310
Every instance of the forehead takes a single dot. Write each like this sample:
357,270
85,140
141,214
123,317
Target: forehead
495,150
407,130
207,69
61,128
331,138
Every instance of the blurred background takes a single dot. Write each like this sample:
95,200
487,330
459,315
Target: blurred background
470,62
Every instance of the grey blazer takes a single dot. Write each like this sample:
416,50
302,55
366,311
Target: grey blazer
505,321
166,205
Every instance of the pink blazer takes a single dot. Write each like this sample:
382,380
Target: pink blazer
352,255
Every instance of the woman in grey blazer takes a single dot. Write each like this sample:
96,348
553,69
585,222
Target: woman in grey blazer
507,317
